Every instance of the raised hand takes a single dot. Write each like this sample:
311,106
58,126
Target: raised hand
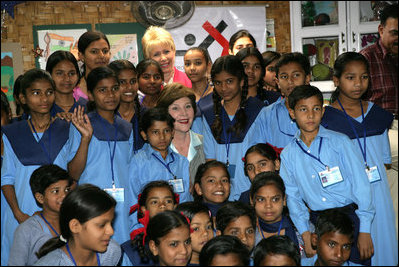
82,122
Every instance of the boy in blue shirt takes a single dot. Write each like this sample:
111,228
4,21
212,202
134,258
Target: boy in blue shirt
323,169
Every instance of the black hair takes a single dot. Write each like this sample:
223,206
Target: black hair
304,92
295,57
84,203
334,220
15,93
5,105
233,66
142,66
222,245
339,67
86,39
390,11
155,114
203,51
192,208
61,55
94,77
276,245
253,51
270,56
265,150
201,171
232,211
45,176
239,34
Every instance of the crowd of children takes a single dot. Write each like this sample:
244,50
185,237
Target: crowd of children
235,162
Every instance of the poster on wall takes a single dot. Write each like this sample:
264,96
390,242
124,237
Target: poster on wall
123,46
212,27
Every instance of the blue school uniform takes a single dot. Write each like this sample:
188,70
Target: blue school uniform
231,148
57,109
376,122
148,165
138,140
311,262
270,97
278,125
109,141
300,173
23,154
202,104
131,255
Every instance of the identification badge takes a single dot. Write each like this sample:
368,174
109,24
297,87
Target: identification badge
232,170
177,184
373,174
117,193
331,176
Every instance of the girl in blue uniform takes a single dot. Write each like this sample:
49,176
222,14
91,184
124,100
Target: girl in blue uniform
367,125
156,160
156,197
231,124
102,145
129,107
64,69
28,144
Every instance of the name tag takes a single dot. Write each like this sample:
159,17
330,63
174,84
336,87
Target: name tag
330,177
117,193
232,170
177,184
373,174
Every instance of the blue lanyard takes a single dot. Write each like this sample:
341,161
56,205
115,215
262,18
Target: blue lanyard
279,228
111,154
278,124
167,165
203,94
41,214
42,144
73,260
309,154
227,138
354,130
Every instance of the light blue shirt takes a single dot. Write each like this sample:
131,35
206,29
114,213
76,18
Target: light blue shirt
311,262
300,173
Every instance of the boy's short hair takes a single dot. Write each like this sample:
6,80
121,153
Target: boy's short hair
296,57
304,92
45,176
155,114
334,220
232,211
276,245
221,245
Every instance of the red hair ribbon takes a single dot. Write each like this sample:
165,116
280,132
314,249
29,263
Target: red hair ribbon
188,220
144,221
135,206
177,198
276,149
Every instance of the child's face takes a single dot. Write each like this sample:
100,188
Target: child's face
269,203
241,43
256,163
243,229
159,135
354,80
165,56
228,86
128,85
290,76
96,233
183,112
253,69
106,94
277,260
308,114
65,77
53,196
39,97
203,232
159,199
97,54
215,186
333,248
195,65
270,75
174,249
229,259
150,81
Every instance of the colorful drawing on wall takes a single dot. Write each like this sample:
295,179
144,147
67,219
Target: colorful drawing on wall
7,74
124,46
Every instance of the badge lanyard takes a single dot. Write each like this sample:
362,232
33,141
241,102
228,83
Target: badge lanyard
167,165
278,124
111,153
203,94
364,152
226,138
279,228
41,214
309,154
42,144
73,260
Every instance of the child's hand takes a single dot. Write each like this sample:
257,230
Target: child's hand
64,116
21,217
310,252
365,245
82,122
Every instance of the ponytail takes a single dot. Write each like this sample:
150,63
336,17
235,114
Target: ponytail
51,244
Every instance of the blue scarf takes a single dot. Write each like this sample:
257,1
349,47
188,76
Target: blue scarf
214,207
273,227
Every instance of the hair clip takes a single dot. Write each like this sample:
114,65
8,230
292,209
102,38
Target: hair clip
63,239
